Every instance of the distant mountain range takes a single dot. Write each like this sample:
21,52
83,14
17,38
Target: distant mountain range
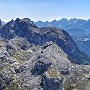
66,24
79,29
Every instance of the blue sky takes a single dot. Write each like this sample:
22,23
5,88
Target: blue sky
44,9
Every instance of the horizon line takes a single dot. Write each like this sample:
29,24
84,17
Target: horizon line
7,20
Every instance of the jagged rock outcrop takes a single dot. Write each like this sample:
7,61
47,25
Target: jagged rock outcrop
35,67
25,28
33,58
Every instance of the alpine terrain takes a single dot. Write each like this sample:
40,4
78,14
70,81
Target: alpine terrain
79,29
40,58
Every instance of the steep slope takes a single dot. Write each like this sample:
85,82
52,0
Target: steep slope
76,33
29,68
25,28
24,66
0,23
84,43
77,28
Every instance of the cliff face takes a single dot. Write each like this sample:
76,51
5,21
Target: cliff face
0,23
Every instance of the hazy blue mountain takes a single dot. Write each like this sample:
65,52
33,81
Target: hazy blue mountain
66,24
76,32
3,23
79,29
84,43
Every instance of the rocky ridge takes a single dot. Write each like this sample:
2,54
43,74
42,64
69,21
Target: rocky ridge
25,28
79,29
24,66
33,58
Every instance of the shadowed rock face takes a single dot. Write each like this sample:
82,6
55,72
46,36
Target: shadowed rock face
78,29
0,23
25,28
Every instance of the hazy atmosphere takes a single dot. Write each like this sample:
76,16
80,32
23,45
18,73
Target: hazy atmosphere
44,9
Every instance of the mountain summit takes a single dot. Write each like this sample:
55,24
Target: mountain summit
25,28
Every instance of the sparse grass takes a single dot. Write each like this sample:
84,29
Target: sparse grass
70,88
16,55
53,73
14,86
18,59
21,51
